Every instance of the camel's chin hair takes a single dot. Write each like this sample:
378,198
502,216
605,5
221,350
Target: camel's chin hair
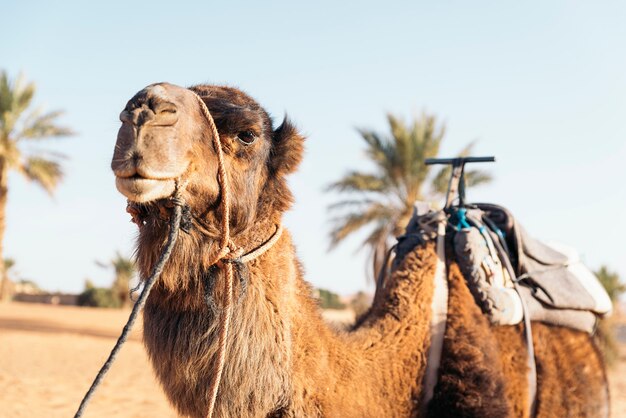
141,190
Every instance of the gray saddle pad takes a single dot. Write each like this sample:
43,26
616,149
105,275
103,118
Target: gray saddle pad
552,277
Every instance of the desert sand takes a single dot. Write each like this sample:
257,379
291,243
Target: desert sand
49,356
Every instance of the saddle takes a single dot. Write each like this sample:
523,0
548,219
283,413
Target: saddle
556,287
505,268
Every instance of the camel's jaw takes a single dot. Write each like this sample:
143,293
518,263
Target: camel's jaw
144,190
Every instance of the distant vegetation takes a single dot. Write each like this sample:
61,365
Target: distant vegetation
605,334
118,295
98,297
124,270
611,282
330,300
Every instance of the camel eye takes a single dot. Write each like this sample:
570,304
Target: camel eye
246,137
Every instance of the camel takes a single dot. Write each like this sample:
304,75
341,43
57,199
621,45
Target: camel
282,359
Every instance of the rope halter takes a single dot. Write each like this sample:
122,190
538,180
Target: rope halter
228,253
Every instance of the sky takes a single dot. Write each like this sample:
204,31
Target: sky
540,85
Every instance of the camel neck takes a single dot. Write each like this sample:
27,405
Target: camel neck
280,342
181,339
353,373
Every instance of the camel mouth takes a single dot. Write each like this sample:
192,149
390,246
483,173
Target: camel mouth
143,190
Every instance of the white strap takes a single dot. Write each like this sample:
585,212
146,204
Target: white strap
438,321
532,365
439,308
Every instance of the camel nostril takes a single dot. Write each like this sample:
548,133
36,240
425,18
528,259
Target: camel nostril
170,110
135,158
166,114
164,107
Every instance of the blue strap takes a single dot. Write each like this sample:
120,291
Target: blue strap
461,214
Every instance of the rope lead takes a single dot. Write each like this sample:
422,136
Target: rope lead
141,301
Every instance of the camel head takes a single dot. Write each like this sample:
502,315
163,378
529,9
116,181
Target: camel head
165,141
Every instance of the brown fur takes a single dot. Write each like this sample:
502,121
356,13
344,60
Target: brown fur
282,359
484,368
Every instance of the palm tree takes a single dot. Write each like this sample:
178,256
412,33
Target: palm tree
606,331
383,198
124,269
20,124
6,290
611,282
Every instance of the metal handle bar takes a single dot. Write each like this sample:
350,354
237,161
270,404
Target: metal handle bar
459,161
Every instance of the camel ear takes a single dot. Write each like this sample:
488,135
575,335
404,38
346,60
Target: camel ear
287,148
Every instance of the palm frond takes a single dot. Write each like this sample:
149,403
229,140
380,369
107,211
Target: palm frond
46,173
44,126
427,135
349,223
23,94
434,135
123,265
379,235
9,263
403,149
359,182
477,177
377,148
103,264
6,96
440,182
15,97
119,263
51,155
349,203
378,243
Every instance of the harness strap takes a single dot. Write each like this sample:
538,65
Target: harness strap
528,333
438,319
263,247
532,365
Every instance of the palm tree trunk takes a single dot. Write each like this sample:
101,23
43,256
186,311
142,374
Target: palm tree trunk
4,280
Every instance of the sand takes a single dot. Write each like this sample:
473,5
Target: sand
50,354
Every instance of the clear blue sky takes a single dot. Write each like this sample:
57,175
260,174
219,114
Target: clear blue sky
541,85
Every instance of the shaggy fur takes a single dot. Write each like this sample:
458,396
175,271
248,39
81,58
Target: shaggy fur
282,359
484,368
